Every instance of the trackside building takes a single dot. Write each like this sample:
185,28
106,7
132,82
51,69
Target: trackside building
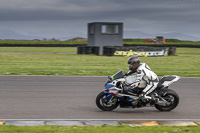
102,34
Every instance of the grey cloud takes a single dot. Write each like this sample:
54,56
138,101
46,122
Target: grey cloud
144,15
20,10
84,9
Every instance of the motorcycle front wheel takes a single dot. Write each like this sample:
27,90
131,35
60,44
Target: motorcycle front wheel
103,104
171,97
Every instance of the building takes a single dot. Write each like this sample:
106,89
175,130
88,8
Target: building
102,34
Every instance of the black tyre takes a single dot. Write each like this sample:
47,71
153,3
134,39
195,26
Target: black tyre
103,104
171,97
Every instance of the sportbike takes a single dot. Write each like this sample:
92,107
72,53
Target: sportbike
116,94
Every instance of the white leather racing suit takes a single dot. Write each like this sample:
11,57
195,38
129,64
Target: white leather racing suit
145,78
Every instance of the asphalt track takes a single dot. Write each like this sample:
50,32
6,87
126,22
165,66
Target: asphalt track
66,97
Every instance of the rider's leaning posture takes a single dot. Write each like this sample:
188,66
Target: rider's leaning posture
144,75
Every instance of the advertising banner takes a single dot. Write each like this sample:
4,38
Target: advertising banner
146,53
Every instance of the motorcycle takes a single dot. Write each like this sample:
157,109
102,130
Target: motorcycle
116,94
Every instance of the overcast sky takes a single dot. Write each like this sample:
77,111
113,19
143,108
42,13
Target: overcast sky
60,18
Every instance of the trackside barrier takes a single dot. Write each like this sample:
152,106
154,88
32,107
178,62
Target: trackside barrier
125,51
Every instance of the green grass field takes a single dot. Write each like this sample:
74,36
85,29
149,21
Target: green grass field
98,129
185,64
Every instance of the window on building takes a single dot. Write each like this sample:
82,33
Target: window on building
110,29
91,29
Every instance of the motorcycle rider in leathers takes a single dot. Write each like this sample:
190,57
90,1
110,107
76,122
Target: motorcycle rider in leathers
144,74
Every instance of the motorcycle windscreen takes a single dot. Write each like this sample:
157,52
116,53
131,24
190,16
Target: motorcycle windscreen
118,75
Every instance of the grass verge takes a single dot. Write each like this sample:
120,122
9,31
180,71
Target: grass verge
98,129
185,64
38,49
84,41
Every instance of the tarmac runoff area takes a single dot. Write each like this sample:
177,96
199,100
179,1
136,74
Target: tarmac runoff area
26,89
131,123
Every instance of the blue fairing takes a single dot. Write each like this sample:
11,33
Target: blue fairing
109,86
110,95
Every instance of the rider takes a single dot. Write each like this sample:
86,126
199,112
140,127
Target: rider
144,75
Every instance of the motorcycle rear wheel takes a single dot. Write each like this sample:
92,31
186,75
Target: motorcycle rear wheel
103,104
170,96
